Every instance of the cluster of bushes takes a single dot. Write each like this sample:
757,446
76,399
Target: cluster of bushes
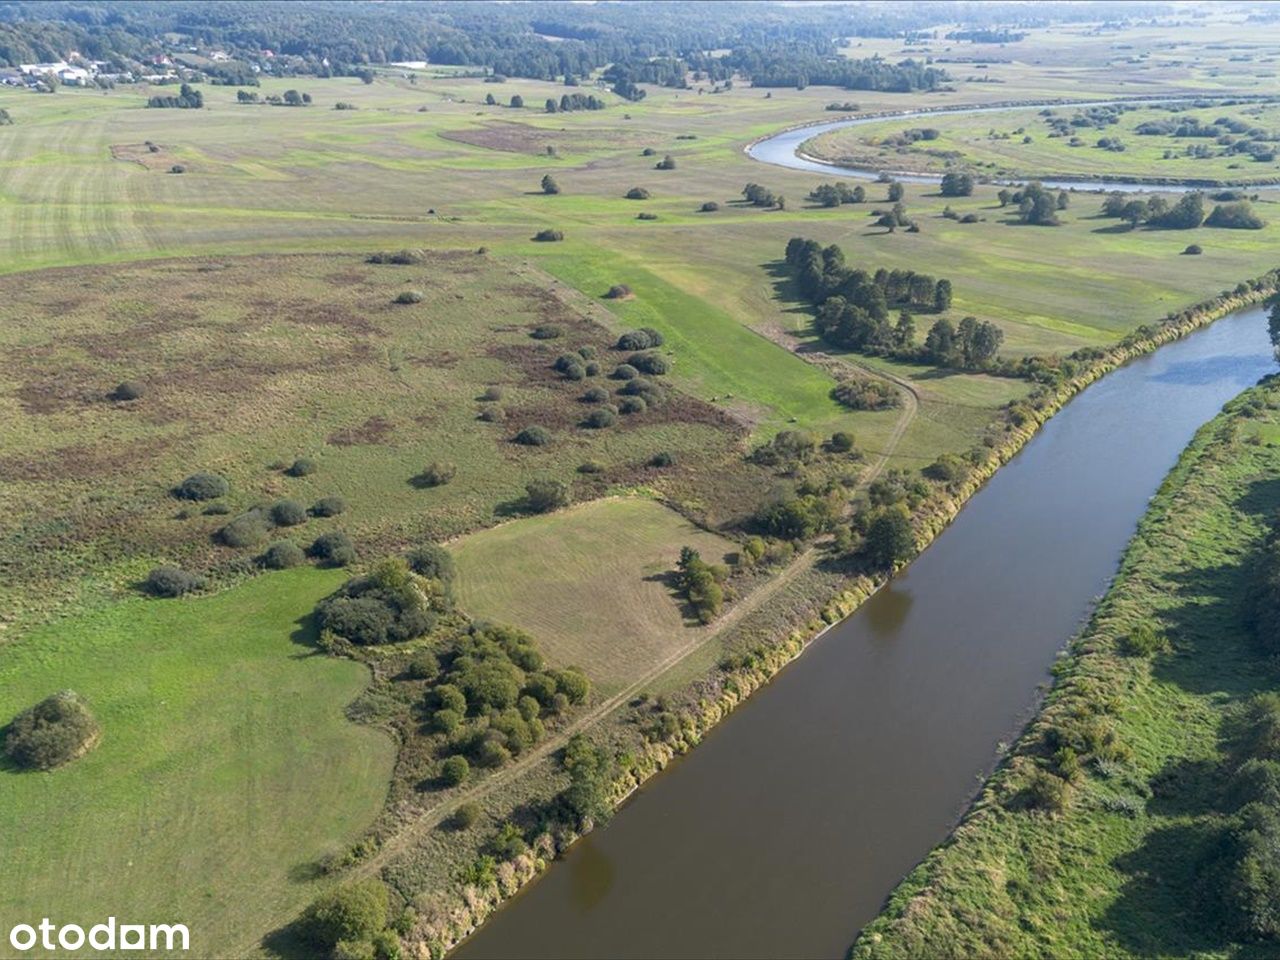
1187,214
1036,204
577,366
188,98
701,583
389,604
251,527
169,581
574,101
957,184
646,338
56,730
544,496
488,694
863,393
835,194
760,196
666,163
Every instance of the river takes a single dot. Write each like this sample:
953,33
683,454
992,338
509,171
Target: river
782,833
783,149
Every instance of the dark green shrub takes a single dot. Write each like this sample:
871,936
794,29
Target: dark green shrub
402,258
409,296
454,771
653,364
128,390
600,418
334,549
493,754
302,467
663,459
549,236
1047,791
1257,781
643,339
646,216
1252,890
448,697
648,152
202,486
56,730
709,207
329,506
1193,250
1261,727
350,913
423,665
436,474
625,371
288,513
666,163
637,193
492,393
948,468
247,530
591,466
492,415
366,621
172,582
595,395
177,168
861,393
547,331
549,185
890,539
282,555
534,436
573,683
619,291
543,496
632,405
432,561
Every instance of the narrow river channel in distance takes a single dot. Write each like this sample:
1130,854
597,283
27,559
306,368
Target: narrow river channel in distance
783,832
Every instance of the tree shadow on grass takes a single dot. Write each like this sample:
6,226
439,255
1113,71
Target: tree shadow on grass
1165,907
306,634
670,579
288,943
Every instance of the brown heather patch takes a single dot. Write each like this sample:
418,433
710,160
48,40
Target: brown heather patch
375,430
83,461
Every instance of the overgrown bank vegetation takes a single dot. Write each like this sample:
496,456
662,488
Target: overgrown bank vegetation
1138,814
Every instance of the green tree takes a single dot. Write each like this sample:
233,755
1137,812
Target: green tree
590,781
549,185
942,296
890,539
353,912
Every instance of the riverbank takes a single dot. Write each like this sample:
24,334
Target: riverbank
719,691
1117,863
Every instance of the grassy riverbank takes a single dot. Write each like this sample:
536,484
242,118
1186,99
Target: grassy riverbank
1118,870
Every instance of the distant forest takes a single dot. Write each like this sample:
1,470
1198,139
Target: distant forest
656,42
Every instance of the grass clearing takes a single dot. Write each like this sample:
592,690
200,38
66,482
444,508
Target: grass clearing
226,763
590,583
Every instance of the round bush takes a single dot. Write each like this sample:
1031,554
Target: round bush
432,561
625,371
492,393
409,296
437,474
492,415
282,555
302,467
637,193
177,168
648,152
591,466
595,395
466,816
328,506
446,721
632,405
619,291
709,207
128,390
335,549
534,436
449,697
548,331
455,769
663,459
172,582
1194,250
635,340
600,418
587,352
653,364
424,665
56,730
549,236
246,530
574,371
288,513
646,216
842,441
202,486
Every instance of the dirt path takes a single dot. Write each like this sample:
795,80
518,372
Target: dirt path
432,816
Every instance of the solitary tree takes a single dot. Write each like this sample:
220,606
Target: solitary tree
896,191
889,538
549,184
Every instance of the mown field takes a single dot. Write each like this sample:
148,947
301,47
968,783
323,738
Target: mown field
1127,869
593,582
1017,143
226,768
